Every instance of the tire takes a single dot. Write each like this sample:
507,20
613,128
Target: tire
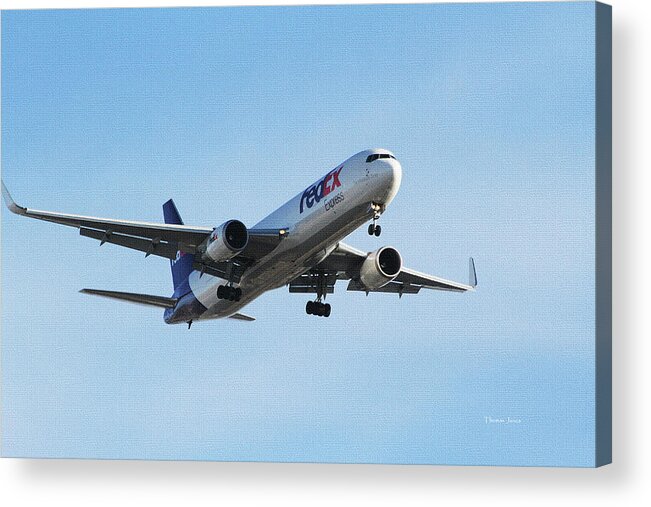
378,230
371,230
327,309
238,294
309,307
220,292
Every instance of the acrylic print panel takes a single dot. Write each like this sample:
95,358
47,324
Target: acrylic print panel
493,112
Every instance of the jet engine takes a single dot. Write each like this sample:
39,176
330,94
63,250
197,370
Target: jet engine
380,267
226,241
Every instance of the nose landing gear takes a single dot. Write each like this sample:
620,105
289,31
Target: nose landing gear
373,228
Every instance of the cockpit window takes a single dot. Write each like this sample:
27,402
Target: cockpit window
375,156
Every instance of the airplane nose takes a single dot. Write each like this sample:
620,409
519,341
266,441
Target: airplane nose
396,172
391,176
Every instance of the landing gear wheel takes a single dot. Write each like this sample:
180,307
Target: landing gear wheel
228,292
374,230
317,308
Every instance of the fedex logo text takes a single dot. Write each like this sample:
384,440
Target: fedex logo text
317,192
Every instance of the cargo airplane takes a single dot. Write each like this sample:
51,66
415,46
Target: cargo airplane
217,271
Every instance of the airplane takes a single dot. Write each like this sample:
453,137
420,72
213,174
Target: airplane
216,271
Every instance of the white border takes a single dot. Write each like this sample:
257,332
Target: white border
625,482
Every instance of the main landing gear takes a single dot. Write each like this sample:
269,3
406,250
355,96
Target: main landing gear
229,292
373,228
318,308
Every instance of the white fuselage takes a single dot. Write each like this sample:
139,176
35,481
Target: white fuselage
316,221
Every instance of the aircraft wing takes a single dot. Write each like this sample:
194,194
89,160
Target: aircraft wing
189,237
163,240
345,262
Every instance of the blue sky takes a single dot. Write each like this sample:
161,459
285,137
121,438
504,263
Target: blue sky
490,109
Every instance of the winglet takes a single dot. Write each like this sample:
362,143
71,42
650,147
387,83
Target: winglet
472,273
11,204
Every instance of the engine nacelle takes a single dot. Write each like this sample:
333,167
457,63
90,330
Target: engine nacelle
380,267
226,241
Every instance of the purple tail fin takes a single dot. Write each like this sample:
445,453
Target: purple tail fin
182,265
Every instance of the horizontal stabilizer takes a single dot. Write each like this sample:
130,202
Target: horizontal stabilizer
142,299
241,316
